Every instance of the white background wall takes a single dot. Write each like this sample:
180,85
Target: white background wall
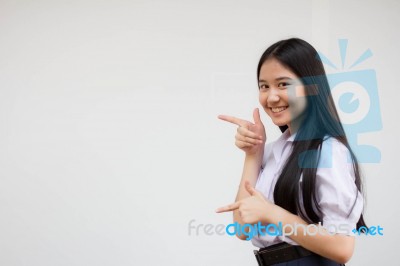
109,141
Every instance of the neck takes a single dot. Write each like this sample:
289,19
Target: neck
294,125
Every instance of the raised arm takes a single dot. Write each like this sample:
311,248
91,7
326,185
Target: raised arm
250,138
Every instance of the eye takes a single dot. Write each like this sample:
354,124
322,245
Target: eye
263,87
283,84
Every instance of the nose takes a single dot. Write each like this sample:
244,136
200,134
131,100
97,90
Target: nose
273,97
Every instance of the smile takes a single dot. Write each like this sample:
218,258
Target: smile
278,109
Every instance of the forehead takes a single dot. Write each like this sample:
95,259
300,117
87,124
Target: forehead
272,69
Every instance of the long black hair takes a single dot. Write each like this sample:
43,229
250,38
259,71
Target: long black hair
319,120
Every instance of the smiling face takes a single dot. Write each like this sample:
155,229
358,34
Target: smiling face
281,94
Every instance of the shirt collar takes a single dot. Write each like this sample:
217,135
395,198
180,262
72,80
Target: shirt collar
281,142
286,137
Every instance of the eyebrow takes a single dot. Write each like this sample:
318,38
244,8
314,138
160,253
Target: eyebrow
277,79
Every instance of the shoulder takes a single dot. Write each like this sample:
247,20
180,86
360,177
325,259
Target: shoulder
335,166
334,143
334,153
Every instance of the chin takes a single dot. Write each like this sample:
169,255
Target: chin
280,123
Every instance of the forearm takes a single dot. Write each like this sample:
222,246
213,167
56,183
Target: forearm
336,247
251,170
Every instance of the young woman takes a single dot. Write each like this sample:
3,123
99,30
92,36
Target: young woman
309,176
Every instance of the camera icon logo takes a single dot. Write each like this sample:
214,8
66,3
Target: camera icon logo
355,94
357,101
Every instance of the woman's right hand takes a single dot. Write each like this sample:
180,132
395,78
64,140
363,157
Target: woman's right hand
250,137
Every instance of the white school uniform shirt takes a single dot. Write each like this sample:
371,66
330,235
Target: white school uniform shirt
336,191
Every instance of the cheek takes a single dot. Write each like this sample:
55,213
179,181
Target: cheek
296,97
262,98
300,91
303,104
298,105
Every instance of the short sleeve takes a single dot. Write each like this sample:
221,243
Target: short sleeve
340,201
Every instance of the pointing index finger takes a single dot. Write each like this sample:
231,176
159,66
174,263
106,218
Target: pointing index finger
234,120
228,208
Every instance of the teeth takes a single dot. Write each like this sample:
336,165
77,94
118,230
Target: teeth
278,109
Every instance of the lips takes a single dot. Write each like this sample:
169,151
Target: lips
278,109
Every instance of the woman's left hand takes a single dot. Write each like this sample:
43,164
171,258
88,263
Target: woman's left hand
255,208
